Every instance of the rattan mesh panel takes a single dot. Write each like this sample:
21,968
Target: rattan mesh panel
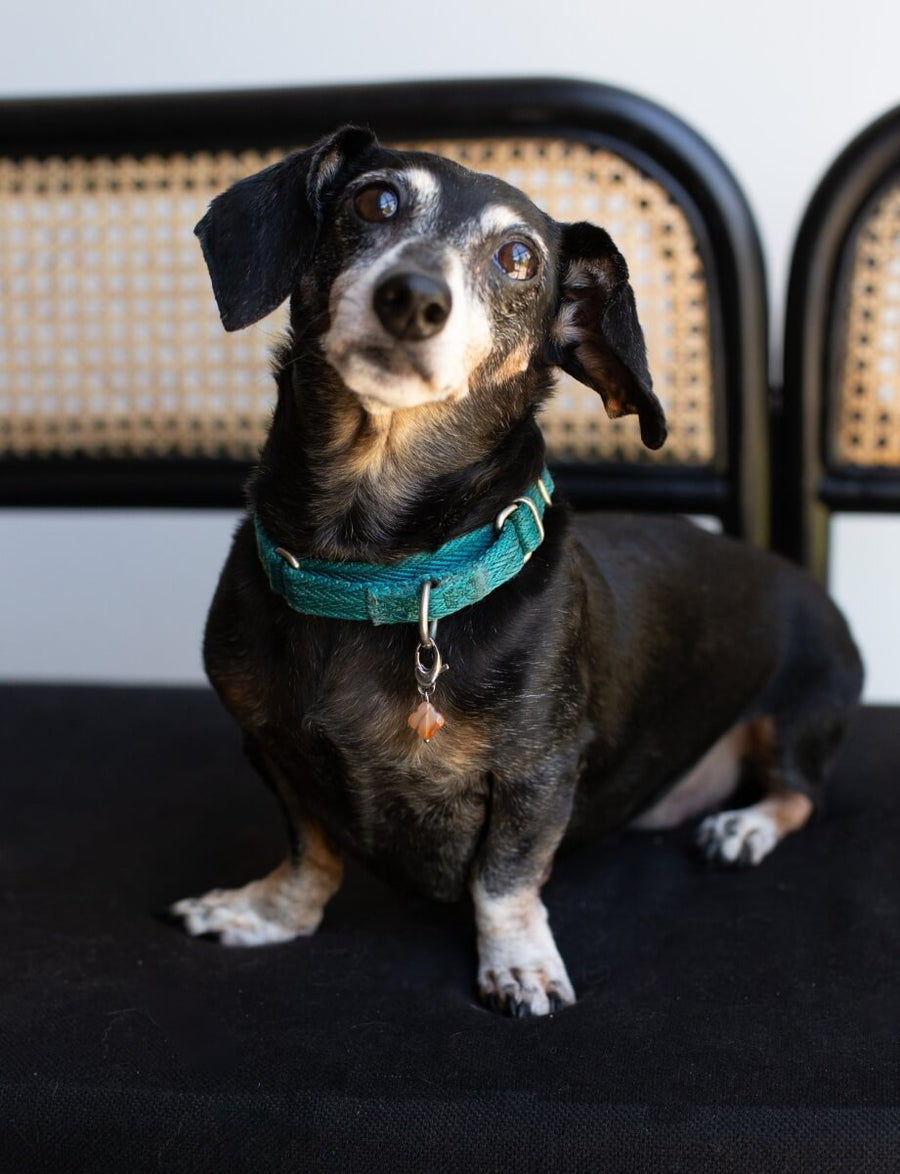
867,412
110,343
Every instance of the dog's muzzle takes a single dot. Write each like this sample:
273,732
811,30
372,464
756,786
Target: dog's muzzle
412,305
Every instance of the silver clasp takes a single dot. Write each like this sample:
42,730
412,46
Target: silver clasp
427,675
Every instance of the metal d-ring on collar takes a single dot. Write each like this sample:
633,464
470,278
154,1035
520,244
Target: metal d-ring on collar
509,510
288,557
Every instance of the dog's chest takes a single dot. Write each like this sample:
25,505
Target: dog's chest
371,733
415,810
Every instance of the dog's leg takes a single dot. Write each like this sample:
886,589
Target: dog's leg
520,971
790,765
287,903
290,901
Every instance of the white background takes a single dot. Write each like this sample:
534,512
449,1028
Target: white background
778,88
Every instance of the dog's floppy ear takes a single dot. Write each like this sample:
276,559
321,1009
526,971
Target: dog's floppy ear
596,336
257,236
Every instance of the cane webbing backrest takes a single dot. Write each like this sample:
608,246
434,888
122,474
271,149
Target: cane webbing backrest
111,345
865,400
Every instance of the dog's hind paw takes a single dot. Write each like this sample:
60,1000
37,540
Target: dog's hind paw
736,839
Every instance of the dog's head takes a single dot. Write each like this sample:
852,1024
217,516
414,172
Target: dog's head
426,282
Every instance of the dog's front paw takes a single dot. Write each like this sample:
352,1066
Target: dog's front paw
521,991
286,904
227,915
736,839
520,972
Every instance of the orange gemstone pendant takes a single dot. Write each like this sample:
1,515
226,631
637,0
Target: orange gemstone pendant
425,720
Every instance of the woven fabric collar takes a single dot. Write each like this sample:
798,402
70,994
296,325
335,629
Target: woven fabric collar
462,571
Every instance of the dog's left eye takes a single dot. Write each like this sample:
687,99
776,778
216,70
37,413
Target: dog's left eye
376,202
517,260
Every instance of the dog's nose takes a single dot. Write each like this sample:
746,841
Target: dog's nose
412,305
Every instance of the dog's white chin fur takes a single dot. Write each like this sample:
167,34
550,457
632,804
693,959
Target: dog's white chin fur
380,391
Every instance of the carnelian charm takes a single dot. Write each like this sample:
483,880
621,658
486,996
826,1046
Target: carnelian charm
425,720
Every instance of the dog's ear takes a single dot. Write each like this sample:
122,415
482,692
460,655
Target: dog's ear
257,236
596,336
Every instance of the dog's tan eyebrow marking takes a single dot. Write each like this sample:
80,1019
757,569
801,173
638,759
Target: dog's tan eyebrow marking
423,183
499,218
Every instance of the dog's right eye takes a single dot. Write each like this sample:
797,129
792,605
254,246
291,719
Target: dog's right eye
376,202
517,260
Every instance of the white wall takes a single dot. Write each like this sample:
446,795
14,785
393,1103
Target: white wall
778,88
777,85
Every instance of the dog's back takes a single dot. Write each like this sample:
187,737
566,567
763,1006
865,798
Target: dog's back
700,636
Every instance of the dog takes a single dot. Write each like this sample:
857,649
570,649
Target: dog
626,672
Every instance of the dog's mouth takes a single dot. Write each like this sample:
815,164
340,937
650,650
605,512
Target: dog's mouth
385,377
401,359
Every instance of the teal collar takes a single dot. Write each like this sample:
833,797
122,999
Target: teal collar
462,571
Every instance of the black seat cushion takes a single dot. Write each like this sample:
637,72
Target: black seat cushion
726,1022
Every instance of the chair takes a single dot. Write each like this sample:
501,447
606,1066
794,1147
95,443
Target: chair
119,383
725,1022
841,414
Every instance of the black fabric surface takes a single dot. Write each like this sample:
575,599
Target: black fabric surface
726,1022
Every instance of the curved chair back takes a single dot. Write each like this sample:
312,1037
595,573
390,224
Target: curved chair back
117,381
841,423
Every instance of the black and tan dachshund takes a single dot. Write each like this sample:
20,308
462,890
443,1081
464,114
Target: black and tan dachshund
624,674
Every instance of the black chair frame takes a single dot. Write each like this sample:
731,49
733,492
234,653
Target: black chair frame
811,486
735,488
